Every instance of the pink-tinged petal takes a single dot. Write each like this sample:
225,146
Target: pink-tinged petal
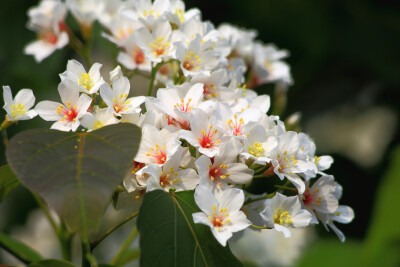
69,92
47,110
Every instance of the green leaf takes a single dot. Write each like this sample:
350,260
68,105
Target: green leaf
168,236
76,173
383,237
19,249
8,182
52,263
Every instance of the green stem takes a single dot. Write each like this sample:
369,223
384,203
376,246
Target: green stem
251,200
286,187
154,72
94,244
260,227
128,241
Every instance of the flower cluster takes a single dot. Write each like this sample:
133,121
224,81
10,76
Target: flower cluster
204,129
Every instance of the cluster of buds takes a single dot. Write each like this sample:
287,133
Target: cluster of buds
204,129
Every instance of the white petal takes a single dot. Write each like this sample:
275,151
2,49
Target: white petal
47,110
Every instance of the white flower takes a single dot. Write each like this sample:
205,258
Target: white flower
204,134
178,105
18,109
133,57
268,66
89,82
193,59
170,175
282,212
49,40
117,98
121,27
221,212
257,146
224,168
343,214
157,44
177,14
68,114
99,119
156,146
320,198
47,14
212,83
285,162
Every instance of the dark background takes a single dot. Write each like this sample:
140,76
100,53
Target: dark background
338,50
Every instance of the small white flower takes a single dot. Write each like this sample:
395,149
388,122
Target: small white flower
204,134
282,212
68,114
101,118
224,168
157,44
170,175
193,59
133,57
320,198
117,98
19,108
221,212
85,12
156,146
89,82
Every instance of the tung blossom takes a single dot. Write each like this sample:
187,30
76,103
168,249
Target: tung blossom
221,212
68,114
89,82
282,213
19,108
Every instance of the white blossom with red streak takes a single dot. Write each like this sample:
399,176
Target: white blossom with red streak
205,134
224,168
116,98
221,212
68,114
156,146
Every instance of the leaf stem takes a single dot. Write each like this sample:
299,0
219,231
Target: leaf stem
128,241
94,244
